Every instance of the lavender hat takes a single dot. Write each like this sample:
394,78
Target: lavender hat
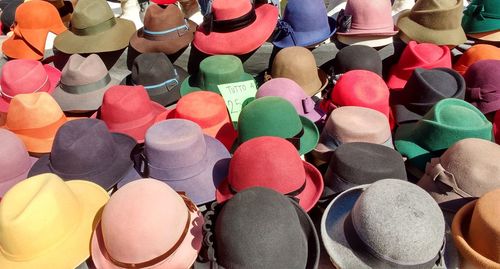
292,92
177,152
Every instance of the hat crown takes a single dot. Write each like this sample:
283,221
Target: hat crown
230,9
426,13
361,88
82,71
205,108
22,76
90,13
220,69
14,158
289,90
474,54
370,14
424,55
457,113
428,86
122,104
34,110
483,75
158,18
299,15
357,57
152,68
37,15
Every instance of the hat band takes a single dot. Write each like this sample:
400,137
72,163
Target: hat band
285,29
436,172
295,140
92,30
86,88
225,26
291,194
170,84
344,22
180,30
43,87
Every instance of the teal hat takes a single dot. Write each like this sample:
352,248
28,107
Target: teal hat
481,16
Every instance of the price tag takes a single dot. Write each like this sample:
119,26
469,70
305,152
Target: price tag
235,94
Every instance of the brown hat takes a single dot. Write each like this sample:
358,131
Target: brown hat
476,232
466,170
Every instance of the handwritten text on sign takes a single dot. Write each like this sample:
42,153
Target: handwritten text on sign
235,95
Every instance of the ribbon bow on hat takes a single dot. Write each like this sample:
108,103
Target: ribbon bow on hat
285,29
436,172
487,95
344,22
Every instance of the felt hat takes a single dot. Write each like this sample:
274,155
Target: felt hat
167,220
25,76
8,15
274,163
424,55
449,121
275,116
481,16
475,232
434,21
235,27
299,65
60,215
476,53
85,149
357,57
14,161
496,127
83,84
128,110
260,228
304,24
164,2
94,29
483,85
467,170
387,224
423,90
292,92
35,118
215,70
209,111
178,153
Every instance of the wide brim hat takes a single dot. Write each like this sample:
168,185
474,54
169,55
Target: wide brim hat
92,198
6,185
31,45
287,40
191,84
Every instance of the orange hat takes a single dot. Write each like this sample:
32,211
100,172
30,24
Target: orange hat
474,54
34,19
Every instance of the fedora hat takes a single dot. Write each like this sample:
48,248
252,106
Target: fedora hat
467,170
178,153
235,27
482,16
159,77
483,85
25,76
357,57
35,118
209,111
293,93
242,228
275,116
8,15
475,232
476,53
272,162
423,90
85,149
94,29
299,65
424,55
167,220
304,24
449,121
14,161
128,110
43,216
390,223
83,84
215,70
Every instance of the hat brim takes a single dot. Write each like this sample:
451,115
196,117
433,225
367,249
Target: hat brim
370,41
403,141
310,137
190,84
76,246
6,185
17,48
287,40
493,36
403,115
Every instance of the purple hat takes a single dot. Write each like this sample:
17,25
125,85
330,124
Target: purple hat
178,153
292,92
483,85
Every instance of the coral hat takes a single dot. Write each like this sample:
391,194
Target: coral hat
476,53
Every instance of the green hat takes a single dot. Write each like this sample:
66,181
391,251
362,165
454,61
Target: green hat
481,16
215,70
449,121
275,116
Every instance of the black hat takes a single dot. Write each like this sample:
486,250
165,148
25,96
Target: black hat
357,57
8,14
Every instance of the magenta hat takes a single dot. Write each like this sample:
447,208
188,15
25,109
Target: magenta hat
368,18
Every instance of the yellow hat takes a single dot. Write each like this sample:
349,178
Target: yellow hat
48,223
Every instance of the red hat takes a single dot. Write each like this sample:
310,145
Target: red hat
274,163
26,76
424,55
164,2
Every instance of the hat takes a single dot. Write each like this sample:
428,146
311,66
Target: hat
209,111
388,224
483,85
35,118
94,29
424,55
215,70
475,232
64,8
85,149
304,24
274,163
34,20
423,90
449,121
164,2
481,16
496,125
275,116
14,161
147,210
83,84
235,27
178,153
299,65
159,76
60,215
293,93
7,17
128,110
25,76
476,53
357,57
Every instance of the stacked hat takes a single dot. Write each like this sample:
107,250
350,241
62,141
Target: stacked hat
476,53
357,57
481,20
483,85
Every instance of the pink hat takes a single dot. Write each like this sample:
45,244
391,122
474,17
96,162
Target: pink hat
368,18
